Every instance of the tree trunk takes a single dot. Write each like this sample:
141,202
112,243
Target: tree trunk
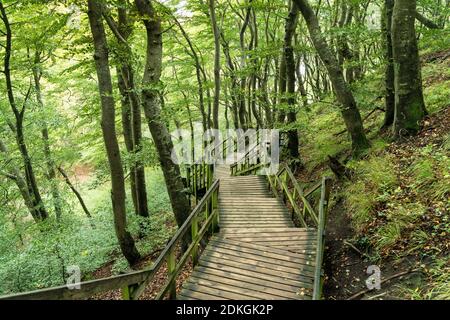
75,191
198,73
131,111
349,109
291,23
16,176
39,210
389,71
51,171
409,102
212,14
118,195
233,80
151,103
128,135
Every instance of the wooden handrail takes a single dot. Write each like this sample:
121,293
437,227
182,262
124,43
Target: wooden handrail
169,248
134,283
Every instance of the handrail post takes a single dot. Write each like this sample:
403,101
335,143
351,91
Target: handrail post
323,206
126,293
171,264
194,234
195,183
215,207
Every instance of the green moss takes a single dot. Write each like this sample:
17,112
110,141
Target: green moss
437,96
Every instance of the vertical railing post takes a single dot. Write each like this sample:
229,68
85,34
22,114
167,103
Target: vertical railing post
215,210
126,293
195,183
194,234
284,184
323,206
171,264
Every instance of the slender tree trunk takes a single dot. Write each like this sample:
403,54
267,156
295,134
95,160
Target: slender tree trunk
291,24
349,110
212,14
118,195
151,104
409,102
51,171
243,81
14,174
131,111
282,88
128,135
198,74
38,206
389,71
233,80
75,191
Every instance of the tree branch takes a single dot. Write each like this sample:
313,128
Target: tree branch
426,22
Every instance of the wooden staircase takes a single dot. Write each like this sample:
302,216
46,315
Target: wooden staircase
258,253
253,248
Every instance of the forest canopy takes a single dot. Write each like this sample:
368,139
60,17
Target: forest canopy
93,91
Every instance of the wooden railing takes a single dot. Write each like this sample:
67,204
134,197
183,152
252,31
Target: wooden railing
200,174
285,186
202,221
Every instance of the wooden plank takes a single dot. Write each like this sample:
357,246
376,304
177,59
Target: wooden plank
252,206
244,279
269,230
217,292
266,258
258,288
251,212
243,197
194,295
236,261
229,286
266,263
304,283
274,242
253,225
265,254
272,236
255,215
257,246
283,243
256,267
247,185
279,218
180,296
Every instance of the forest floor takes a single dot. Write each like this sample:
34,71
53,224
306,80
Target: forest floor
346,262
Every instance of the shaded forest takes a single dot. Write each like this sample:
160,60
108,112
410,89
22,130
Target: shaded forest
93,91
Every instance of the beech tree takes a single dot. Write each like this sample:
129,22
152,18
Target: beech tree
409,103
151,102
344,95
105,88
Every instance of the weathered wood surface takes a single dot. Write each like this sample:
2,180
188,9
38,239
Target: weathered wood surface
258,253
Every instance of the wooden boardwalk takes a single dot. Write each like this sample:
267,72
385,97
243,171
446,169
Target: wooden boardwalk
258,253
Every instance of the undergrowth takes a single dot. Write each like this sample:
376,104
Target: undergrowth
39,258
398,196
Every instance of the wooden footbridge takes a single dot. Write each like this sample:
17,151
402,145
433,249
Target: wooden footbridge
254,235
